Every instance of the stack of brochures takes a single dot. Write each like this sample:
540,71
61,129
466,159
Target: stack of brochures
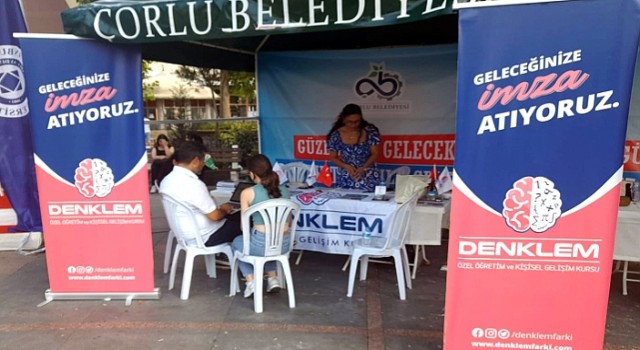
225,186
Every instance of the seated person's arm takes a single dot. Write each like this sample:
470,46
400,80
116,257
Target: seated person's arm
154,154
170,151
220,213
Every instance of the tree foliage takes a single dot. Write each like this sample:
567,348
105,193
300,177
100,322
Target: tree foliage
148,89
178,132
243,85
206,78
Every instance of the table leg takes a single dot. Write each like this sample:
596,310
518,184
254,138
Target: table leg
416,261
617,267
424,255
346,264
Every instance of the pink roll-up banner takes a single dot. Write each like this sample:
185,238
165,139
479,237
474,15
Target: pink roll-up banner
532,220
91,166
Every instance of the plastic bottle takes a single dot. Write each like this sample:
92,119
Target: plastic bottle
380,190
366,237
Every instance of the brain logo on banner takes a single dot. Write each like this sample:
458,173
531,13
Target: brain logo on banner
386,85
93,178
533,203
13,100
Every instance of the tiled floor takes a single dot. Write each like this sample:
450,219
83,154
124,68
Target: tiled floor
324,317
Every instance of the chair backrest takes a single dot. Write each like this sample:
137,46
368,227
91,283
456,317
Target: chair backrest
277,214
390,178
182,221
296,171
401,221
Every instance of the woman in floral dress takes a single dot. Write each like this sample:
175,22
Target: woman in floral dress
353,146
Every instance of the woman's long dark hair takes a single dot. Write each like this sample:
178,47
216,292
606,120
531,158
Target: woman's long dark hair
350,109
161,137
260,166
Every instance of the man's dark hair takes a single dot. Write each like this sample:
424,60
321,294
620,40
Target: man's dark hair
188,151
192,136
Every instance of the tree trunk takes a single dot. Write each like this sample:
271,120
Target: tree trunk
225,95
214,104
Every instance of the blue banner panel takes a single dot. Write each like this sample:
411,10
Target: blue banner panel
532,223
91,164
17,174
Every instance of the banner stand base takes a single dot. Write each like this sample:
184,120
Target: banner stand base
128,297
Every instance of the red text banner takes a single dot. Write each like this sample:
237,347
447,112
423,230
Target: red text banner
632,156
394,149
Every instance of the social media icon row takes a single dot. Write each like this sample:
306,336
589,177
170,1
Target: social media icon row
80,269
490,333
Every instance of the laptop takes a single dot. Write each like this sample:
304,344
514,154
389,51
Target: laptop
235,197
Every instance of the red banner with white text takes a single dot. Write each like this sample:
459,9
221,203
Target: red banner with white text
393,149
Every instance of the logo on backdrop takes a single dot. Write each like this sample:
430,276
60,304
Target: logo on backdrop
386,85
94,178
532,204
13,100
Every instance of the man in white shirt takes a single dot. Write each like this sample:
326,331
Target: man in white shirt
183,185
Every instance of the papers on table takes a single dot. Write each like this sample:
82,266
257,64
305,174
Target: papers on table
225,186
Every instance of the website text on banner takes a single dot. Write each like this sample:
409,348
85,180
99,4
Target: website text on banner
91,165
533,226
17,174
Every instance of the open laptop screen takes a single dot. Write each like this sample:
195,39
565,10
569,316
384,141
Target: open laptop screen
235,197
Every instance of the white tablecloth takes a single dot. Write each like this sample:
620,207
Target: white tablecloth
627,245
427,223
329,223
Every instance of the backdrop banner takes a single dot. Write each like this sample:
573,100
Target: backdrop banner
17,174
409,93
532,225
91,164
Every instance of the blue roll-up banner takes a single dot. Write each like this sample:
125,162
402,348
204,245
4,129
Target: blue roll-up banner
17,174
91,165
532,223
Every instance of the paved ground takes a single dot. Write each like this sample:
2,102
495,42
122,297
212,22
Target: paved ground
324,317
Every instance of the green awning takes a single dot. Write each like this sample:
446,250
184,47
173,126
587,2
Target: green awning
228,33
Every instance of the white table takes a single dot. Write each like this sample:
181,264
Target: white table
427,222
627,246
329,223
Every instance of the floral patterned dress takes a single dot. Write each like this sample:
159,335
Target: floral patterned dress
355,155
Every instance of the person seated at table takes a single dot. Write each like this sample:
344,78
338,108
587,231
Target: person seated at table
160,155
353,146
267,187
167,165
183,185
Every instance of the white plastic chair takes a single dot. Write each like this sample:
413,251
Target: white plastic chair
184,227
390,179
168,250
392,246
296,171
625,275
276,214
